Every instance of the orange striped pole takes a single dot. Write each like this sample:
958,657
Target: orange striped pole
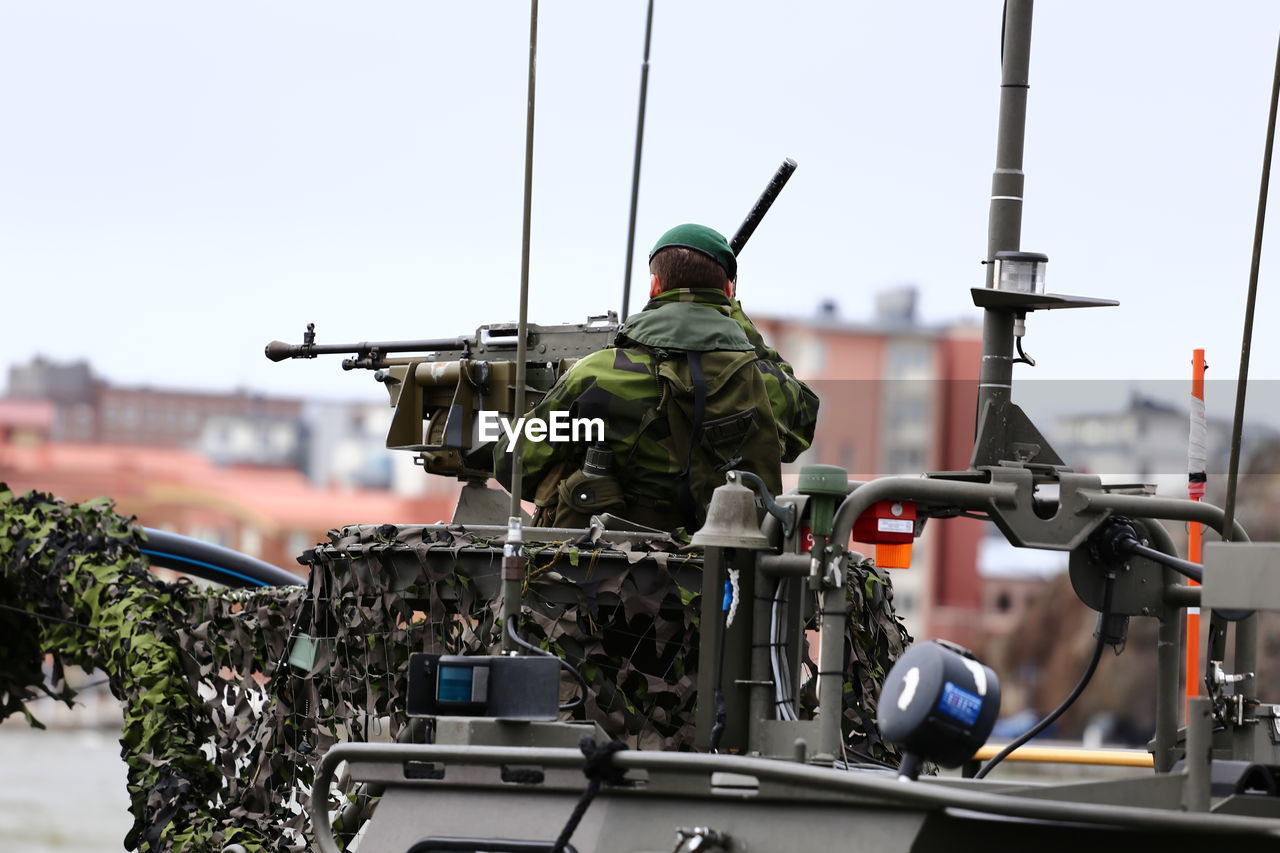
1196,477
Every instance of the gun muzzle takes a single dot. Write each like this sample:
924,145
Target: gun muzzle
279,350
762,205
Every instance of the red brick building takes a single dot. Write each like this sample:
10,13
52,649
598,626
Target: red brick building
899,398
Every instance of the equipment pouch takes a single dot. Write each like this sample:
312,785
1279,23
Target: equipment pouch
582,497
547,499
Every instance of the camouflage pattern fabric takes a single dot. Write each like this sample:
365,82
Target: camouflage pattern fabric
791,398
624,387
232,696
181,660
877,638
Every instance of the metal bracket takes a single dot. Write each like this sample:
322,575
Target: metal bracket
1006,434
691,839
1028,522
785,514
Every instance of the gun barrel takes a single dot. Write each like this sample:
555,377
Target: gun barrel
762,205
279,350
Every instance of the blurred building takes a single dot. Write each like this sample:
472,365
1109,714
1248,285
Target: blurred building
334,444
271,513
225,468
898,397
90,409
1013,579
25,422
1144,442
347,446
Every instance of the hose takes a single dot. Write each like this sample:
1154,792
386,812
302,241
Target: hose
525,644
1071,697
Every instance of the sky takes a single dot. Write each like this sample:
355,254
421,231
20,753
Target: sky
182,183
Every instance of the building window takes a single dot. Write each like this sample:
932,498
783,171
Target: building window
299,541
251,541
806,352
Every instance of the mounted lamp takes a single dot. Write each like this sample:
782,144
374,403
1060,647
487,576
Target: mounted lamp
1019,272
1017,285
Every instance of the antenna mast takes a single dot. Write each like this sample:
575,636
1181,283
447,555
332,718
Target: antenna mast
1246,629
1004,231
513,557
635,170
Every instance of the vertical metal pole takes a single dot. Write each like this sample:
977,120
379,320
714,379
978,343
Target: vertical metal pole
725,655
635,171
710,636
738,657
1004,226
831,671
1247,629
1195,790
1168,674
513,562
831,622
1168,658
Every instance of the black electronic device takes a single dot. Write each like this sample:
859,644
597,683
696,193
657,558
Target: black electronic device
509,688
939,703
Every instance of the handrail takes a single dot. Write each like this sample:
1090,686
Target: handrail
1071,755
886,788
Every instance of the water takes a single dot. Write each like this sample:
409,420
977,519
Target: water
61,790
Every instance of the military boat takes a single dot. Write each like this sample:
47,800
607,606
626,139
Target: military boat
489,685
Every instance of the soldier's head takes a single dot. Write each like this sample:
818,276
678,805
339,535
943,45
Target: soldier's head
692,257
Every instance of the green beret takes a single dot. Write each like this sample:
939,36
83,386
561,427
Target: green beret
701,239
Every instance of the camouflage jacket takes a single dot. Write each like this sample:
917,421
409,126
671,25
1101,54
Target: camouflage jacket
626,387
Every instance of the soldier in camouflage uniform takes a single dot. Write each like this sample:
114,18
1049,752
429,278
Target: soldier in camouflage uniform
688,392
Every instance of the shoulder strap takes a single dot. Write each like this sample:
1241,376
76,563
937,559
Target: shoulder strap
699,410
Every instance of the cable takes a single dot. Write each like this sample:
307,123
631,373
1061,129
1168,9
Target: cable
598,768
720,704
777,657
1071,697
1022,356
185,554
524,644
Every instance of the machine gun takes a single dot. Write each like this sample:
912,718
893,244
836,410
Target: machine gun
439,385
438,388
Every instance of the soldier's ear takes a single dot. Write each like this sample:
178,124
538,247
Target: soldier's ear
655,285
730,288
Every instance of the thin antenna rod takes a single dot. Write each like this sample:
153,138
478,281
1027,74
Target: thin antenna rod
1247,344
635,170
1246,632
513,565
522,330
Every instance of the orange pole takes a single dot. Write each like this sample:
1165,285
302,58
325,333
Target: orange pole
1195,491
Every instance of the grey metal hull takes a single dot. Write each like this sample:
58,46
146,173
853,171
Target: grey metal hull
761,805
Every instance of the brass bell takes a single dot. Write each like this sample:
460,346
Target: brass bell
731,520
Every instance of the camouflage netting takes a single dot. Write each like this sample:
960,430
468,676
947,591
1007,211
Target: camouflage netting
232,696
